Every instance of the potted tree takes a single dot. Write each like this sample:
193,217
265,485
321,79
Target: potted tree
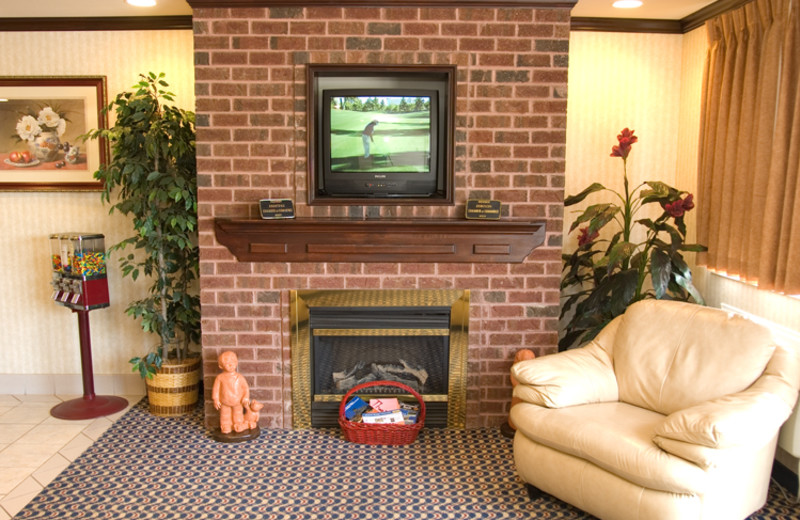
153,176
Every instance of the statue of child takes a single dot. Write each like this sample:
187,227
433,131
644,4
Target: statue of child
230,393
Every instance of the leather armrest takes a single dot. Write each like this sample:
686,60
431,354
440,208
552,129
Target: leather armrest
579,376
702,456
751,417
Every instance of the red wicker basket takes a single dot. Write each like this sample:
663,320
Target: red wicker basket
393,434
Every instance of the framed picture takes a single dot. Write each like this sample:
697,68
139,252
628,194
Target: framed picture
41,119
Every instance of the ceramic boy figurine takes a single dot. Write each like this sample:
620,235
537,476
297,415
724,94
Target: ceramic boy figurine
230,393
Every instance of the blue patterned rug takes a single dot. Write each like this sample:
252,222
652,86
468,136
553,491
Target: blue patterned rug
145,467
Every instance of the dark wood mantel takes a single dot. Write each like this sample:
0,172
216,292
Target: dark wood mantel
379,240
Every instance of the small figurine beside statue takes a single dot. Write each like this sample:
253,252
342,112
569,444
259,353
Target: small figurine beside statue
238,414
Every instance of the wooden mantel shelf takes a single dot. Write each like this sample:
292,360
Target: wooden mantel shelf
379,240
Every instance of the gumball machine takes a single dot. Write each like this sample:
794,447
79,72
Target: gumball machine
79,271
79,283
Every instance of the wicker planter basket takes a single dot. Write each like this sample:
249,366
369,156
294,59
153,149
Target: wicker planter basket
174,390
391,434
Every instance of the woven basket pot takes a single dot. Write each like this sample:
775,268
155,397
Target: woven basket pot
174,390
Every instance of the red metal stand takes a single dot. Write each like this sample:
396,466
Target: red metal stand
90,406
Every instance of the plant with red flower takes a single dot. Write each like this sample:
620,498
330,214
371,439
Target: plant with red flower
677,208
586,238
626,140
603,276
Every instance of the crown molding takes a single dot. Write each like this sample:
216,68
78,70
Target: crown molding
99,23
697,19
632,25
197,4
145,23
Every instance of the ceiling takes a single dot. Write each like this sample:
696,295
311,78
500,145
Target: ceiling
655,9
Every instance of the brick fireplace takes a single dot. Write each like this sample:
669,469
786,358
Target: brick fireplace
250,67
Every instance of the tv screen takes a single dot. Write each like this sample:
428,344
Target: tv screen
380,133
381,142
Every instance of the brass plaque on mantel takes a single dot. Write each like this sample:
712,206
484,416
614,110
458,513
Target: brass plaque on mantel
483,209
276,208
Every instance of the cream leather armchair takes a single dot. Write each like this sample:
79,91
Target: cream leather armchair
672,412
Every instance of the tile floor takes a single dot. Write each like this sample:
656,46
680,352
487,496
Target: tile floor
35,447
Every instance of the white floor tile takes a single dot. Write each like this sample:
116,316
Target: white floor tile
12,432
38,398
76,447
12,477
8,400
21,495
25,414
97,428
50,469
55,420
26,455
51,434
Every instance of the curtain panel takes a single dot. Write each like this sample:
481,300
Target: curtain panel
749,160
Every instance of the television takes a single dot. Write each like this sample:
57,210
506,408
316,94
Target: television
380,142
381,136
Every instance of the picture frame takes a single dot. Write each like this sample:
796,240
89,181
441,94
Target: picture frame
41,119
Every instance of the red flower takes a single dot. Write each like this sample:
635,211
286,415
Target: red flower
585,237
688,202
675,209
626,140
679,207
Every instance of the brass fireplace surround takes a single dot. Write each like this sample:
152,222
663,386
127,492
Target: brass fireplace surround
302,301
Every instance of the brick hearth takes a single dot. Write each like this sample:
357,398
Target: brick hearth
510,139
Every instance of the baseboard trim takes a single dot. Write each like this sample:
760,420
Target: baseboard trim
70,384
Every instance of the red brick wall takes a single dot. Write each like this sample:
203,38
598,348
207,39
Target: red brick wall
510,139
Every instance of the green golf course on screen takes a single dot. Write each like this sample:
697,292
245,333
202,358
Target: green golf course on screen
380,133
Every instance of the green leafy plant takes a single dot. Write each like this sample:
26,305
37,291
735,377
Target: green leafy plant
603,276
153,175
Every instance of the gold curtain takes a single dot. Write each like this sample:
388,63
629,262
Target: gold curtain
748,186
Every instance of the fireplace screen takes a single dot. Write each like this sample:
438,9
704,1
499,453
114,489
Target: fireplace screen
382,347
350,337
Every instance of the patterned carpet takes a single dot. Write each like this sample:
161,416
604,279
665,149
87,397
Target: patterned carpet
146,467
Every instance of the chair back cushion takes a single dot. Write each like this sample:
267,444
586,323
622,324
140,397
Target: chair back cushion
671,355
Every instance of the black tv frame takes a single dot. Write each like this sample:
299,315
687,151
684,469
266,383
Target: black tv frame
322,77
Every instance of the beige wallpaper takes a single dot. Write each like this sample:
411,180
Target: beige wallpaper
616,81
38,336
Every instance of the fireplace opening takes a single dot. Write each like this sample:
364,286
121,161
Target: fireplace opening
345,338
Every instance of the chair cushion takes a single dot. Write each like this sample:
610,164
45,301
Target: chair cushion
672,355
614,436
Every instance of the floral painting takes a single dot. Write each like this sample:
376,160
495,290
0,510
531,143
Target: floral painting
41,121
